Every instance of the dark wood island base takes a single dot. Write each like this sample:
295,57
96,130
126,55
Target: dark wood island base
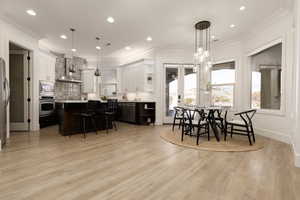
140,113
69,120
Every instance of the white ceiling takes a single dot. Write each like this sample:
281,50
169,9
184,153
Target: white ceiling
168,22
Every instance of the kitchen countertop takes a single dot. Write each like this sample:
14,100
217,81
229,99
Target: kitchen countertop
71,101
85,101
143,101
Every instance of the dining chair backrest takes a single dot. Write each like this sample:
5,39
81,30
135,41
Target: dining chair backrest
178,112
246,116
202,116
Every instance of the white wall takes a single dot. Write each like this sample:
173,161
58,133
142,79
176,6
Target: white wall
46,66
296,135
274,124
11,33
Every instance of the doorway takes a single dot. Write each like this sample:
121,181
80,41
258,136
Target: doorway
180,88
19,93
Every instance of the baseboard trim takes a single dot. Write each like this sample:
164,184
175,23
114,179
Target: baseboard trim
297,160
273,135
296,156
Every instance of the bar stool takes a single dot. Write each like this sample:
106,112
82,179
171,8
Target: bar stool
88,115
110,113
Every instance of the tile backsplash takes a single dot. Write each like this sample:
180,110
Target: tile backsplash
68,90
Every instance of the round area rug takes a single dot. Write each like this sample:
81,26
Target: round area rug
236,144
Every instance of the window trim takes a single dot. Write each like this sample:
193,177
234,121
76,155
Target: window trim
281,111
233,108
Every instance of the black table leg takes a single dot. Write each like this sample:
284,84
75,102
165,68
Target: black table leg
213,124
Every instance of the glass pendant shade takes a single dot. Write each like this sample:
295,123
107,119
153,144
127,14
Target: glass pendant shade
97,71
72,68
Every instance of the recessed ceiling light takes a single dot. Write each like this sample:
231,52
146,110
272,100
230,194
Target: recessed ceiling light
63,37
213,37
128,48
110,20
149,39
242,8
31,12
232,26
74,50
98,47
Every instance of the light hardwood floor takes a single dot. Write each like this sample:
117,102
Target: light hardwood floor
135,163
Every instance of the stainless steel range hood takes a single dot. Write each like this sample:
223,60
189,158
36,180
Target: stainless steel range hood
66,78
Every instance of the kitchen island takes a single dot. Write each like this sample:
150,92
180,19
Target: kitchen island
69,119
135,112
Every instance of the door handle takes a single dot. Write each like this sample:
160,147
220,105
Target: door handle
179,98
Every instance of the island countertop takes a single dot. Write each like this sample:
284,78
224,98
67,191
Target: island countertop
71,101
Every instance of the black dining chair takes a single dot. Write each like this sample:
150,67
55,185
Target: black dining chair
219,117
202,124
178,116
190,123
111,114
244,125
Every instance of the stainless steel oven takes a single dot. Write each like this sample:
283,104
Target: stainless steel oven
47,100
47,106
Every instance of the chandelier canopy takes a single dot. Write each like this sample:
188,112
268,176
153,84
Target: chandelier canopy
202,55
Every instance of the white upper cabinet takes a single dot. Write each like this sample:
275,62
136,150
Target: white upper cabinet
137,77
88,81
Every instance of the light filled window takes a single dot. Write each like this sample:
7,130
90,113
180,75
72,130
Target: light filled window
190,86
266,78
223,84
171,90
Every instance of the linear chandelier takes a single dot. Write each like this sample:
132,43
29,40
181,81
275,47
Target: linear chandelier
202,55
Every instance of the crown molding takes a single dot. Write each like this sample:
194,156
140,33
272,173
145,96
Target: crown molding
13,24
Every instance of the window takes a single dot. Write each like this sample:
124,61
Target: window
171,90
266,78
223,84
190,86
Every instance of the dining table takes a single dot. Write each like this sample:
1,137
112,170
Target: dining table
213,114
